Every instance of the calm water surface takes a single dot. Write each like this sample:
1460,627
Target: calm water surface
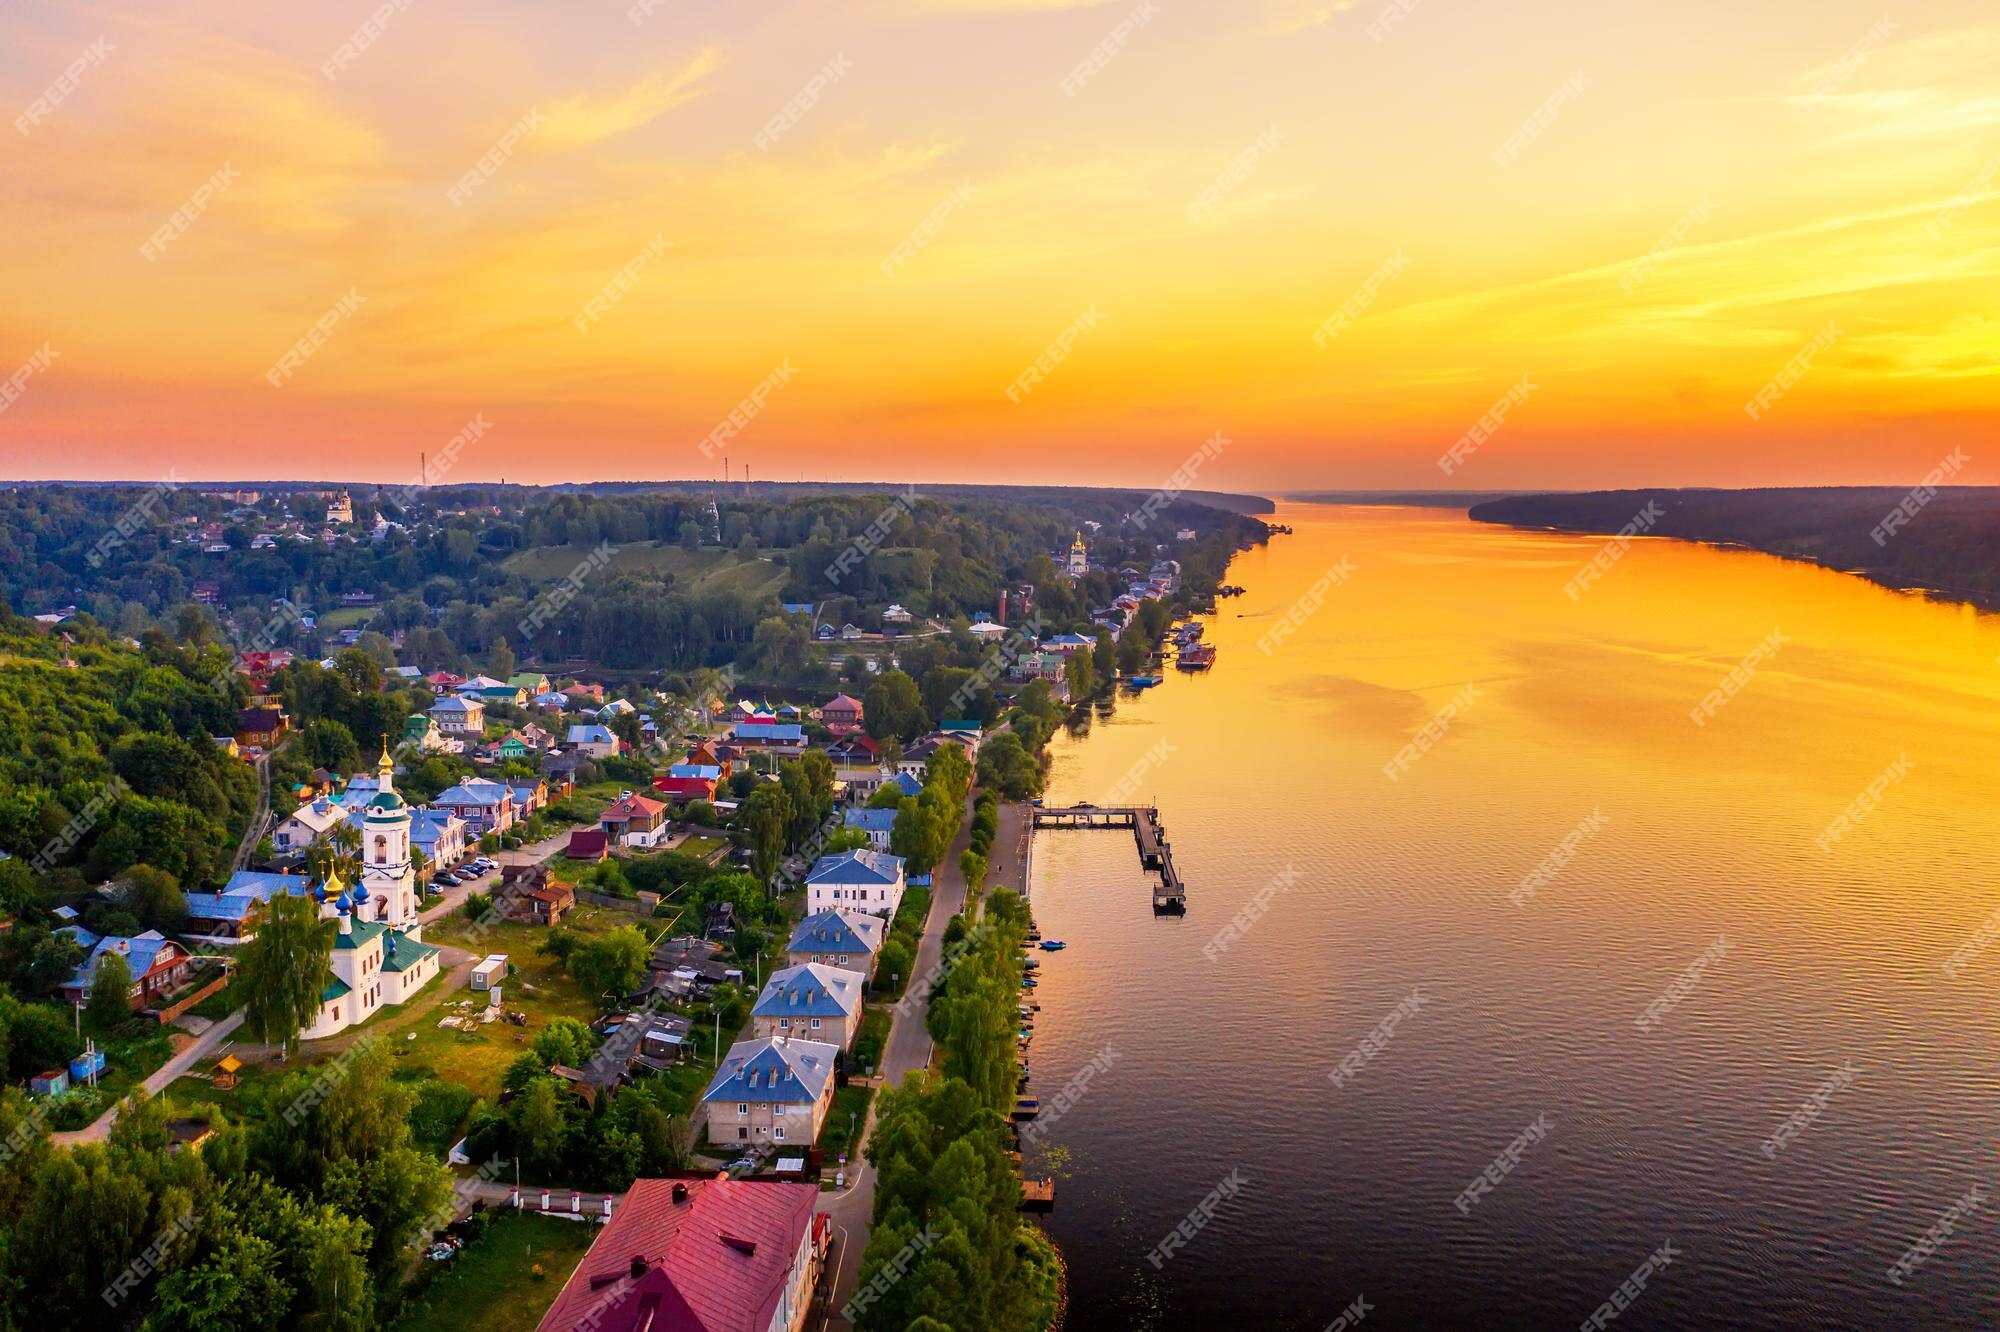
1275,760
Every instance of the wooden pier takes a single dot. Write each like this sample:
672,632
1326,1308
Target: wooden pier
1155,851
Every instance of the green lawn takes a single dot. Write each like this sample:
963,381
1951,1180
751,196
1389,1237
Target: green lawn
535,985
850,1108
492,1286
874,1036
700,844
347,617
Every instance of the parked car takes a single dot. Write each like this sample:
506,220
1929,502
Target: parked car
465,875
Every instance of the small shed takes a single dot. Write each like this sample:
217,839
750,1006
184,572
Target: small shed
226,1070
85,1065
490,971
52,1083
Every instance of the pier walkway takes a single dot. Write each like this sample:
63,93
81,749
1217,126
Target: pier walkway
1155,851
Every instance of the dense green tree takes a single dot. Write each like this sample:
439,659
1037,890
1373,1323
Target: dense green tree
329,744
610,966
110,1004
893,707
283,972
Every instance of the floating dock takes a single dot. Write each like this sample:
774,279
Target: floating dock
1155,851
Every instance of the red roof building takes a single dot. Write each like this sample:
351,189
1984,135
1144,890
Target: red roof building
586,844
685,788
699,1255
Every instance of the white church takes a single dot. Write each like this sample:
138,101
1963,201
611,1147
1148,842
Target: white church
379,956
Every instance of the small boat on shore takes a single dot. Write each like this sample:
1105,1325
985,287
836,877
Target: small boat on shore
1053,945
1141,681
1026,1108
1029,982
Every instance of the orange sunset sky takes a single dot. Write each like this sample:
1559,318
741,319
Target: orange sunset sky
1824,163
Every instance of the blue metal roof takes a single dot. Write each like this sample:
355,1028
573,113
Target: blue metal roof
810,990
870,820
773,1072
770,731
909,784
869,867
833,932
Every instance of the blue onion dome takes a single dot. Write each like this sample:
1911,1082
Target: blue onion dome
345,902
360,894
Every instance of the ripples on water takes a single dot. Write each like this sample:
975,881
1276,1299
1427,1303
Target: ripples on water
1276,760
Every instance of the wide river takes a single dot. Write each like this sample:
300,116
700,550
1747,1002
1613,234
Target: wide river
1621,1052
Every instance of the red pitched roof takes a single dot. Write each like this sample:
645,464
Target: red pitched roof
586,844
632,807
685,788
716,1262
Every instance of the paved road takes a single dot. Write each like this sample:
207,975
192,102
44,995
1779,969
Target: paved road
909,1048
203,1046
260,821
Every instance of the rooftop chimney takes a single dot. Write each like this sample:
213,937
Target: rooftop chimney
638,1266
680,1192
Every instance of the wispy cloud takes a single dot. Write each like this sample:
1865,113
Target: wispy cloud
583,118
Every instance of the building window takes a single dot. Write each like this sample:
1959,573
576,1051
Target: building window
779,1133
742,1133
742,1109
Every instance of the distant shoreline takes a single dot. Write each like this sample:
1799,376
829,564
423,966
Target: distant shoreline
1943,543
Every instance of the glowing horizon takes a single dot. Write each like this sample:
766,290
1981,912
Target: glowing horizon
1813,181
